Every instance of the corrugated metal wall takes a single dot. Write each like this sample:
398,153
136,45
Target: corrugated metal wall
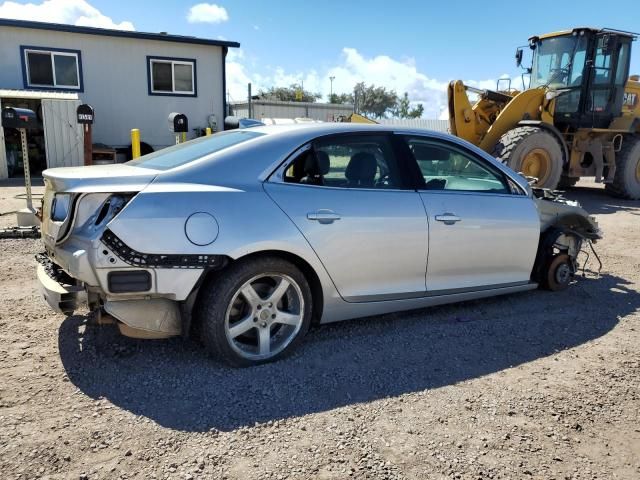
326,112
426,123
64,138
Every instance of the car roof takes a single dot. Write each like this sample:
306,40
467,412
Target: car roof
257,158
326,128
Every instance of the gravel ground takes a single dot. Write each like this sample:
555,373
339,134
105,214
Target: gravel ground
536,385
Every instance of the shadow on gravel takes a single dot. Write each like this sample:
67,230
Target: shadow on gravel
597,202
178,386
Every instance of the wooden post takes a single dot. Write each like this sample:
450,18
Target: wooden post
88,144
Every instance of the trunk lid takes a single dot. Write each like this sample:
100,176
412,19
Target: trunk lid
72,182
114,178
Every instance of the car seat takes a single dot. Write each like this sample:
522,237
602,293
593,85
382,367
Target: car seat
316,166
361,170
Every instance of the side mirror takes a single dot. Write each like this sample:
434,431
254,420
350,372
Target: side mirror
519,57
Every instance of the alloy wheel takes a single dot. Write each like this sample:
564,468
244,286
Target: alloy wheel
264,316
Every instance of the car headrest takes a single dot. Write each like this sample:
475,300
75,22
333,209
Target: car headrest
317,164
362,167
323,162
427,153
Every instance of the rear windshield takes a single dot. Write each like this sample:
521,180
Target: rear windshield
177,155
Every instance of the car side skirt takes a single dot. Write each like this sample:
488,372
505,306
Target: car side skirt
337,311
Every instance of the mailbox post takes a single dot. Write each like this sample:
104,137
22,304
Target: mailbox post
85,116
23,119
179,125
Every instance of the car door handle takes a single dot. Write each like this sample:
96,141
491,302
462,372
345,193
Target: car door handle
323,216
448,218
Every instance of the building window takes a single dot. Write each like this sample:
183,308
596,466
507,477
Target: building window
172,76
49,68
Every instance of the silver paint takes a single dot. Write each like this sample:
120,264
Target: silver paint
373,251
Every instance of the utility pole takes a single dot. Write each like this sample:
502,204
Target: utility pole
249,106
331,88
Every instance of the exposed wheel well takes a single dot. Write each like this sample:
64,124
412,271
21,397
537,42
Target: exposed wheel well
306,269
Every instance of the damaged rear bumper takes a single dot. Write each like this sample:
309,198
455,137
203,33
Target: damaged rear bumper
62,297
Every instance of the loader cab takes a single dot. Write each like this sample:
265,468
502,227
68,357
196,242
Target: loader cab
587,70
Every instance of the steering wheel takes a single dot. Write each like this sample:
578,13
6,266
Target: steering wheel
559,75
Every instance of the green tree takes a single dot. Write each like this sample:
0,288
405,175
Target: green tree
374,101
403,108
341,98
292,93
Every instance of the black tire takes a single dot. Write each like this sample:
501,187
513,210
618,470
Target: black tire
217,295
626,181
557,273
516,144
567,182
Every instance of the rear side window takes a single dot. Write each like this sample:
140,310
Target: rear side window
177,155
346,161
445,167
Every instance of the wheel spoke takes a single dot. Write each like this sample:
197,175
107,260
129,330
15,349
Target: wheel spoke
251,296
264,336
279,291
287,318
242,326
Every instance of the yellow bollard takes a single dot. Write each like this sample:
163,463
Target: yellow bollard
184,137
135,143
208,131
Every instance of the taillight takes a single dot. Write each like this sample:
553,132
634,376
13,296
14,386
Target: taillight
61,207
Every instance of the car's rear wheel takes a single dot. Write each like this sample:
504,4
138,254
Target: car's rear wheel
256,311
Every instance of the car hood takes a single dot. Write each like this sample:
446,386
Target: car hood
99,178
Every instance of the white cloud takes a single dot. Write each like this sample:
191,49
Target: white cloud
73,12
207,13
353,67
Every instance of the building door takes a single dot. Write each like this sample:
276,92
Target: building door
64,138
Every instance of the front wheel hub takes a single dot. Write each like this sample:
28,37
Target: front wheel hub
563,274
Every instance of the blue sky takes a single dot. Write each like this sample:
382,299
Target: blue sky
416,46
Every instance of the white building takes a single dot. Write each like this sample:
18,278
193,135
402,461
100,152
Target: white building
132,80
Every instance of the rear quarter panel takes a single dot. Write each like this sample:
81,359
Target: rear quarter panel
248,222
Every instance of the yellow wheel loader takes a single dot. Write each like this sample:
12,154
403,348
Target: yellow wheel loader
580,116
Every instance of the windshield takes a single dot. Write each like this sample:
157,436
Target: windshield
559,61
177,155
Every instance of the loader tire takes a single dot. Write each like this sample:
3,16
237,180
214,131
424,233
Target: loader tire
533,152
626,181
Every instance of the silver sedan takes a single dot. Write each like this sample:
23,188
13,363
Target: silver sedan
248,237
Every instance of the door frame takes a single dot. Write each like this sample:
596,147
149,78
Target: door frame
4,168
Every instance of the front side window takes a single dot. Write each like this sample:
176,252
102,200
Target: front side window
559,61
602,62
172,76
45,68
623,61
445,167
346,161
